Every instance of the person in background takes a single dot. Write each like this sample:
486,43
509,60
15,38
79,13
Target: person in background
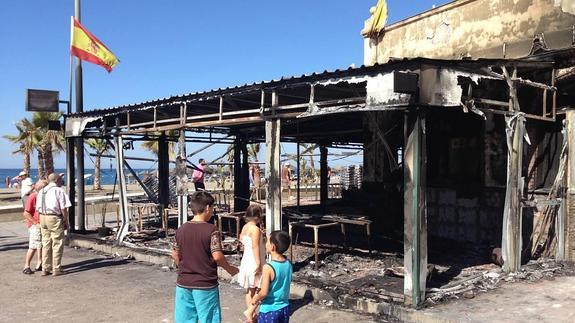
273,297
34,233
286,178
52,204
197,253
26,186
198,175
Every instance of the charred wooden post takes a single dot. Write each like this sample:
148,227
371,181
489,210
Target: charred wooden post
122,198
570,191
512,213
273,168
182,179
245,192
561,218
163,172
241,175
415,222
323,182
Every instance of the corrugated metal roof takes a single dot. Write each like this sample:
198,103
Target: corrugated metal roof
392,64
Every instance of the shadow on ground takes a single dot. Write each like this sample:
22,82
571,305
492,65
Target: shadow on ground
14,246
92,264
296,304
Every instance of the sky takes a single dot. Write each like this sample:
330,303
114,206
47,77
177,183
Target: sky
173,47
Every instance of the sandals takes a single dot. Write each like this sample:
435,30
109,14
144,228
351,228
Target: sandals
27,271
39,268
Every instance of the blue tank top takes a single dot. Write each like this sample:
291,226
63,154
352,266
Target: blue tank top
278,293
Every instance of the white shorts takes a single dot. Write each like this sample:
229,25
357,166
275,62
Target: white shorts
35,237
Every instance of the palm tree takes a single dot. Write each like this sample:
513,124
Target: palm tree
25,141
310,148
100,147
153,145
52,141
253,151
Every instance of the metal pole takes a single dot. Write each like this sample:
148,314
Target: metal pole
70,169
80,209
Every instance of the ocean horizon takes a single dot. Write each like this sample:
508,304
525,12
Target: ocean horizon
108,174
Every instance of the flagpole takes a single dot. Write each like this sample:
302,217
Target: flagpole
80,141
70,145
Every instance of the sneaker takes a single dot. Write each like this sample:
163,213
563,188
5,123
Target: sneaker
27,271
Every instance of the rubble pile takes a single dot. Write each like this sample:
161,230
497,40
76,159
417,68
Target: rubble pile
477,279
356,274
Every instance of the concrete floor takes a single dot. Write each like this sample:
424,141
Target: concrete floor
101,289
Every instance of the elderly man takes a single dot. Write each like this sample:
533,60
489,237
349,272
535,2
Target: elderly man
52,204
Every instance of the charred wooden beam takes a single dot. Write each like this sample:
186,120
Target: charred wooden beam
513,210
123,199
323,184
273,168
182,179
415,223
163,171
570,191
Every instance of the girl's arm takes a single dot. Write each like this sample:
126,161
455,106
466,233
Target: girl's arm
255,234
267,278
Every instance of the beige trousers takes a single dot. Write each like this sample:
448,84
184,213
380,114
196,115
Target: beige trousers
52,242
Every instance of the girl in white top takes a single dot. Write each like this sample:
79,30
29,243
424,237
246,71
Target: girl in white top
253,258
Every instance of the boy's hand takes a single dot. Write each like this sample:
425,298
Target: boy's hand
233,270
258,270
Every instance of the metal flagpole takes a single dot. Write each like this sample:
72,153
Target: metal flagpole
70,146
80,141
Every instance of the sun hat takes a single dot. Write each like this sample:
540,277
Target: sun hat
22,173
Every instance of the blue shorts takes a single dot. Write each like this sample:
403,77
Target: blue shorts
197,304
279,316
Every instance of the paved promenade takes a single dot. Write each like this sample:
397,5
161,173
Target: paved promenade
101,289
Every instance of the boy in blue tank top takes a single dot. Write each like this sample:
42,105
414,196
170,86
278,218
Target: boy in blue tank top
273,297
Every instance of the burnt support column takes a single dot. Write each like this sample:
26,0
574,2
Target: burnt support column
241,175
122,198
570,191
323,184
512,213
273,169
182,179
415,221
163,171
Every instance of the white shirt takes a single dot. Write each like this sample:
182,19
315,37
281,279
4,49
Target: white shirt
26,186
52,200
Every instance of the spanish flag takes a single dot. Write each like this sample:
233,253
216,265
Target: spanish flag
376,23
88,48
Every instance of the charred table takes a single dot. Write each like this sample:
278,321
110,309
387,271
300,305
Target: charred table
234,216
315,225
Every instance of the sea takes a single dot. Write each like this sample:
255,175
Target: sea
108,174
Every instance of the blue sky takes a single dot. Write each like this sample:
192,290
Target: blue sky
173,47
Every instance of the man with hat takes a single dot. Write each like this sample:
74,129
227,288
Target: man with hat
26,186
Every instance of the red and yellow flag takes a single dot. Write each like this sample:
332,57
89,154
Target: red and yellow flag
88,48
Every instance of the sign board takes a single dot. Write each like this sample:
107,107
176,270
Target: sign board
42,100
